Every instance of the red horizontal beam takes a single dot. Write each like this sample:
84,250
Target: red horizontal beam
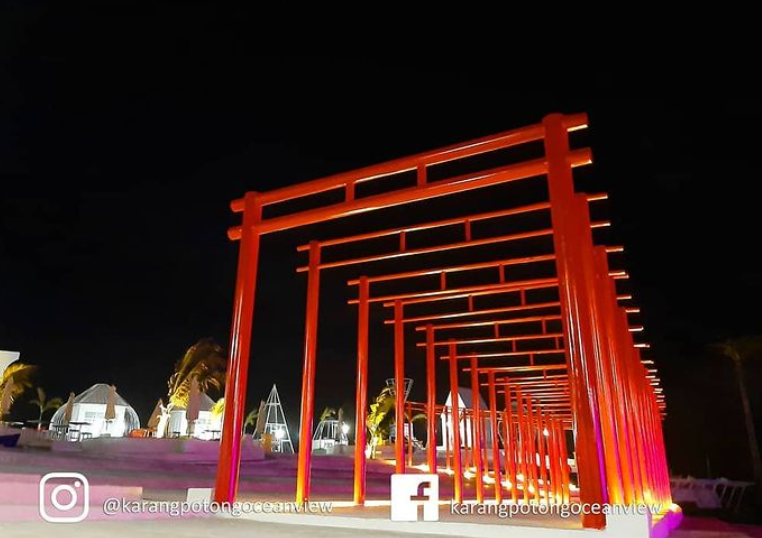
525,170
469,313
474,147
434,249
507,354
528,368
410,298
552,379
455,221
468,341
488,289
490,323
457,268
559,380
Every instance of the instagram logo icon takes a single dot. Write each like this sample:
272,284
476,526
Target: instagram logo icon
64,497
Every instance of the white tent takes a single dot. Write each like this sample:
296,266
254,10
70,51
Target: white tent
329,433
207,426
465,401
90,409
276,425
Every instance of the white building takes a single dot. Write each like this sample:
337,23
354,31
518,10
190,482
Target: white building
89,411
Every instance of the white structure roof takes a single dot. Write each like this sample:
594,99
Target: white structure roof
97,395
466,399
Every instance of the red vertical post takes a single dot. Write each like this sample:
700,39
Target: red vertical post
476,440
431,401
226,487
304,462
603,356
629,359
485,448
566,469
410,435
560,459
608,306
361,401
553,459
493,427
542,438
467,436
579,340
522,440
457,478
506,444
532,450
511,445
664,469
446,437
399,387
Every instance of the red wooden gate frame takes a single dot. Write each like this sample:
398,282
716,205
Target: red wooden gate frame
607,397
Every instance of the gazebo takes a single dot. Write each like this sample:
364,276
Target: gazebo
89,409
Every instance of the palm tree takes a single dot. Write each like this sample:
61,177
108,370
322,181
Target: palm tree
22,377
251,419
45,405
327,413
740,350
18,378
379,418
204,361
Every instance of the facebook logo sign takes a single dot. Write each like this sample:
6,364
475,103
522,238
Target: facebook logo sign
412,491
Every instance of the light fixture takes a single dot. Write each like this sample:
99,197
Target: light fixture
279,433
344,428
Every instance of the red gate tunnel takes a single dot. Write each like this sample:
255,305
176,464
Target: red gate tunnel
560,358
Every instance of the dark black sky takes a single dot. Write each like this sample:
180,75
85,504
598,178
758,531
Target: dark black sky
125,134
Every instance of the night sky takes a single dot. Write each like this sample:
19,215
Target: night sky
125,134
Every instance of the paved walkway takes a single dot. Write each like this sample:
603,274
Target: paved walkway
198,528
230,528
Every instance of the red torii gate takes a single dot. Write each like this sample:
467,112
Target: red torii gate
596,349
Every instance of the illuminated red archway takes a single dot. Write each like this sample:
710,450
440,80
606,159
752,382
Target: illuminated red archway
571,362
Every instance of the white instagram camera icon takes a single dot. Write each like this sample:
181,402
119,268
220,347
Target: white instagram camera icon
59,503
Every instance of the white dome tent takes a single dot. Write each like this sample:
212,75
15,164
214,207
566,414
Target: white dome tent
90,409
207,426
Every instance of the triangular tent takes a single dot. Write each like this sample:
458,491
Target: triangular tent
275,423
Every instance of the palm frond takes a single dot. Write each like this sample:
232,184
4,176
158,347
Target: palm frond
740,349
327,413
251,418
218,408
54,403
22,377
205,362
